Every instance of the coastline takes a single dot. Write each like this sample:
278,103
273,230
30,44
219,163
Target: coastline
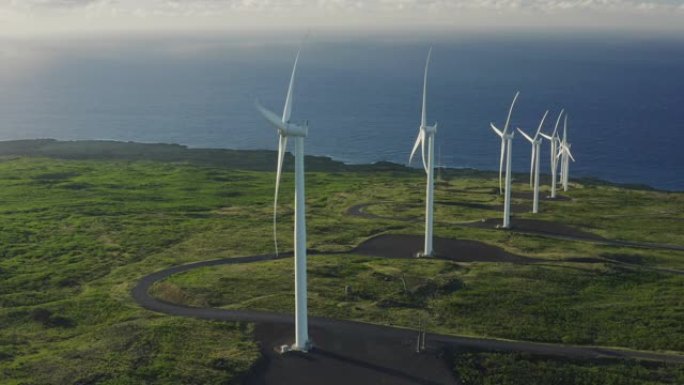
253,160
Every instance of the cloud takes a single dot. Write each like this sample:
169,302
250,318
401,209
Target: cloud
187,14
378,5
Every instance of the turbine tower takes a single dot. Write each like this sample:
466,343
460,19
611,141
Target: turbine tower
427,134
534,163
553,139
287,129
565,155
506,148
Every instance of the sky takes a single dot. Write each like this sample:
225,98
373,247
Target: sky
36,17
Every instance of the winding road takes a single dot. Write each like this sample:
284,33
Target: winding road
141,295
363,340
356,352
526,226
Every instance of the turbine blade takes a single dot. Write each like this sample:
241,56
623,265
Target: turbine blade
555,128
498,132
270,116
534,151
565,148
565,129
287,110
541,124
501,162
545,136
415,146
423,116
510,111
282,147
525,135
423,150
570,154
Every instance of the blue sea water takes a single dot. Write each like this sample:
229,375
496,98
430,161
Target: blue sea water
624,95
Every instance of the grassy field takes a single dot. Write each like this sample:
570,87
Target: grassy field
518,369
80,223
564,303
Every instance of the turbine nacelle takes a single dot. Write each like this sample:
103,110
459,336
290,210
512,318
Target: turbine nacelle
292,129
429,129
502,134
284,128
529,139
550,138
423,133
533,141
565,148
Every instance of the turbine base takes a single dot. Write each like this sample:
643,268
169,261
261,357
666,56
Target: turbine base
294,348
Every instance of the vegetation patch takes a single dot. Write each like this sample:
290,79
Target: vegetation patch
81,223
596,305
525,369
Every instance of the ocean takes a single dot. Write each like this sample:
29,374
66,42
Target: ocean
624,95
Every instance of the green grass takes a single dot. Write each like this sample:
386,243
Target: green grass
81,224
135,352
70,255
523,369
563,303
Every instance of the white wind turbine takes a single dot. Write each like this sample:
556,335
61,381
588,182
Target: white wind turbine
506,148
534,164
427,134
565,155
285,130
553,139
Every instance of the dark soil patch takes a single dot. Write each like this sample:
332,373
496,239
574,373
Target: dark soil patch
535,226
407,246
342,356
360,210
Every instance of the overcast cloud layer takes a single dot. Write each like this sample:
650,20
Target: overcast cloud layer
28,16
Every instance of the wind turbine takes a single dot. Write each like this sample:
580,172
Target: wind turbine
553,139
506,148
565,155
427,134
534,165
287,129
